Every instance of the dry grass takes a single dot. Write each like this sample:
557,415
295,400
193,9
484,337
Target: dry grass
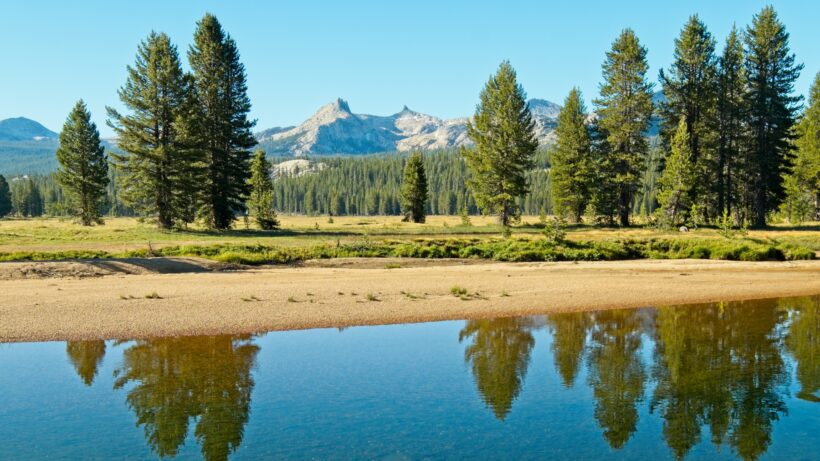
125,234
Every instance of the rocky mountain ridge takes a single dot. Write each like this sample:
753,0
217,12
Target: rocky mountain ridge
335,130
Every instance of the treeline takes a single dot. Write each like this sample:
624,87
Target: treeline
372,186
727,132
368,185
32,196
42,195
728,122
184,143
733,147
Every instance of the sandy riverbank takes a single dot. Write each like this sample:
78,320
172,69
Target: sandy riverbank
197,298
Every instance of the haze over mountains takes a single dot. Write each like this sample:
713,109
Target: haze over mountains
336,130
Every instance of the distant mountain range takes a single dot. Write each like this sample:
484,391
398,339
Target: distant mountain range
26,146
335,130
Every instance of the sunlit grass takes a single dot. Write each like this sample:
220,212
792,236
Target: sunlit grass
39,239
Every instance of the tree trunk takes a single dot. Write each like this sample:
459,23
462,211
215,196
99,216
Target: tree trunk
623,211
817,206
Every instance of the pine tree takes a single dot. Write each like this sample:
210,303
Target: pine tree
260,201
731,116
26,199
34,199
220,125
5,197
803,182
158,171
502,130
678,178
83,171
572,168
690,87
624,108
771,72
414,189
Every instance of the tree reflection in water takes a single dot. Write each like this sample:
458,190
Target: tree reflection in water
499,354
803,342
616,373
86,356
719,366
176,380
569,338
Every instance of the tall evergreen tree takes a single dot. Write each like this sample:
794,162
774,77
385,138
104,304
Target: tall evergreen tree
414,189
221,127
572,167
157,169
5,197
772,72
502,130
731,119
678,178
83,171
803,183
624,108
690,87
260,201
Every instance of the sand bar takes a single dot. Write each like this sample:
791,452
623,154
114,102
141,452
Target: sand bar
110,302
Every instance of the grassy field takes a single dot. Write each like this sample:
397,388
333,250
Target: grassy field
300,236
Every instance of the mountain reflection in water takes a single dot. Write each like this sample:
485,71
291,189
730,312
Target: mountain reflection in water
719,372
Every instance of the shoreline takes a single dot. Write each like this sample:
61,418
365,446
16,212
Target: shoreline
120,304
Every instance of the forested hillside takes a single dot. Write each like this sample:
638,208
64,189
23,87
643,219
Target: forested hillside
372,185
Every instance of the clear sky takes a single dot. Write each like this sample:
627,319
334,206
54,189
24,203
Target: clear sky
434,56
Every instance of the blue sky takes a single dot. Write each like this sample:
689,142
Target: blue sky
433,56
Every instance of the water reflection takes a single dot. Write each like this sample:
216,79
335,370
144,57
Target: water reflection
718,372
86,357
719,367
499,354
569,337
803,342
723,368
616,373
177,380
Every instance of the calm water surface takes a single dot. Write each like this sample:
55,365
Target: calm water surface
717,381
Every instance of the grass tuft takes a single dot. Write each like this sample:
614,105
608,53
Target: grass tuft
458,291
